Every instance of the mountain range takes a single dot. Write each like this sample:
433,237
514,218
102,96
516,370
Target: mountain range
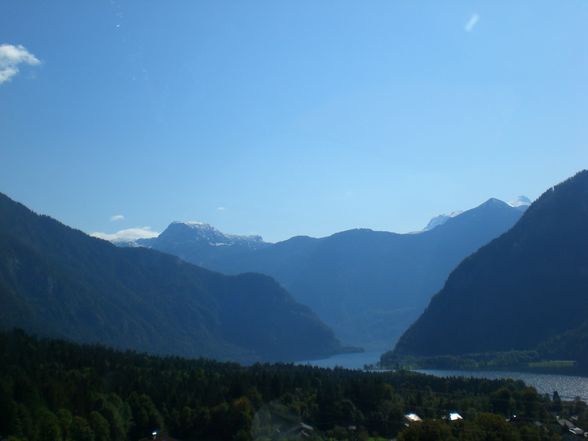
369,286
526,290
59,282
198,242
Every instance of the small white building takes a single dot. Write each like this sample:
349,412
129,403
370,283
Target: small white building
576,431
454,416
411,418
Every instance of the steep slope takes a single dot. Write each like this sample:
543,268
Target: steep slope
60,282
367,285
525,287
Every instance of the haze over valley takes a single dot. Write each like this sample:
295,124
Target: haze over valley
285,220
368,286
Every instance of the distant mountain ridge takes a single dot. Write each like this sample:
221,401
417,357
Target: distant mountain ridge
59,282
369,286
527,289
521,202
440,220
194,231
198,242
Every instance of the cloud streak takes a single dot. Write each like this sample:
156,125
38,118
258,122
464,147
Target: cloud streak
127,235
11,57
471,23
117,217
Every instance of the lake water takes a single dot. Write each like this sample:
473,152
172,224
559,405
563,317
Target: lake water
350,361
567,386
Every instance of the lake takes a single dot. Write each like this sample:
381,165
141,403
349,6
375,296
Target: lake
567,386
355,360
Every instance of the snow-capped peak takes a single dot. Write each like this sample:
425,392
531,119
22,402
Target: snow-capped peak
521,201
441,219
201,231
194,224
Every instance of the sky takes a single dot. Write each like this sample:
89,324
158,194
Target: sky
285,118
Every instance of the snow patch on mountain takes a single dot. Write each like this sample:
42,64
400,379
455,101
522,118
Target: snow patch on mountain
206,232
441,219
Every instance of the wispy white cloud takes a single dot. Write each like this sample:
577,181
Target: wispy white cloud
127,235
472,22
117,217
521,201
220,208
11,57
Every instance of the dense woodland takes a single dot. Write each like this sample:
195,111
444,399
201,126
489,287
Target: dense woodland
54,390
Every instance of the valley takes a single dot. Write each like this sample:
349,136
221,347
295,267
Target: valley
293,220
368,286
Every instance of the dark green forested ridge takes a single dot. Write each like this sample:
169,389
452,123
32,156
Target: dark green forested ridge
525,290
58,281
57,391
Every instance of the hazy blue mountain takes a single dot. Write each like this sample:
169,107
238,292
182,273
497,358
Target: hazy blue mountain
369,286
440,220
57,281
198,242
528,287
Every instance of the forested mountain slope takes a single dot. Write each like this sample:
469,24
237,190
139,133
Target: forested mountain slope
58,281
524,288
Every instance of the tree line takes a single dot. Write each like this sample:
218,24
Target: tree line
53,390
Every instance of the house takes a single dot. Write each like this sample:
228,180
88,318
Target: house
576,431
566,424
571,427
454,416
411,418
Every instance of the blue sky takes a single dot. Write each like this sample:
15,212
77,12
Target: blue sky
288,117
